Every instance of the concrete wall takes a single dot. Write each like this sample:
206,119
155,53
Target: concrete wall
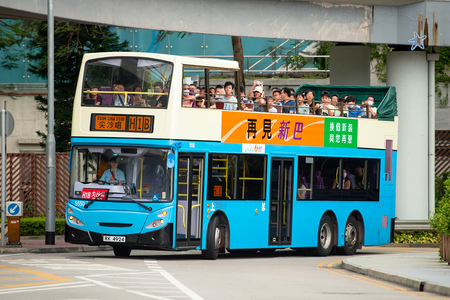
27,120
350,65
408,72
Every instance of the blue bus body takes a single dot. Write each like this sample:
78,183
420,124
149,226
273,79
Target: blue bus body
248,219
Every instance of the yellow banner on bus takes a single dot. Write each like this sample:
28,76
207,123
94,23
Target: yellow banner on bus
274,129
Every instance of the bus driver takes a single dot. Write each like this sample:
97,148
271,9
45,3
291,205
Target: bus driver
113,173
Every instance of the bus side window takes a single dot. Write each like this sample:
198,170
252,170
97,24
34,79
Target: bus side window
305,169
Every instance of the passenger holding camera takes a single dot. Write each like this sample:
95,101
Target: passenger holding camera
256,93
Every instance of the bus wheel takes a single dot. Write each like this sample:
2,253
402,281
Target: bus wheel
213,240
325,237
121,251
351,239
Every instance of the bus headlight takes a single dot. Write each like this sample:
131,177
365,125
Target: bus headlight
75,221
155,224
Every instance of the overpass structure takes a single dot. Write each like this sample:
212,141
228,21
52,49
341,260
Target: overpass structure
353,21
409,24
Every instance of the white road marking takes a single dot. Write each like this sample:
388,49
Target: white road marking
45,287
62,264
155,284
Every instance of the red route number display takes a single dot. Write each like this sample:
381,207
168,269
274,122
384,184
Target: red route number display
97,194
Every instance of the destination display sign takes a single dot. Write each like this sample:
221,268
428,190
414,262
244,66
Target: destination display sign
258,130
126,123
97,194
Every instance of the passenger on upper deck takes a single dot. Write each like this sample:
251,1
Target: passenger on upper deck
367,107
219,91
242,92
158,100
303,108
276,94
334,102
201,98
188,99
314,107
289,105
259,104
228,98
212,97
119,99
194,90
113,173
270,107
327,108
96,98
137,98
354,111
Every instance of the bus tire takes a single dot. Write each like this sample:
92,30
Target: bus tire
214,238
121,251
325,237
351,237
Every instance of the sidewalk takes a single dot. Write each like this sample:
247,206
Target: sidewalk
416,268
36,244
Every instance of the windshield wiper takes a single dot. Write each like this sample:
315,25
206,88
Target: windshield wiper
138,203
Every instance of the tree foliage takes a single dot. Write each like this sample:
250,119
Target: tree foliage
72,41
441,218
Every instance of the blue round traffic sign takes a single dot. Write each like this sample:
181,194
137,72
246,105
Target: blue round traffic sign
13,209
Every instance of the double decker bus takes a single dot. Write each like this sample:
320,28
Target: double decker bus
218,180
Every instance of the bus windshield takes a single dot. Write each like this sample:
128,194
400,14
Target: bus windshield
120,173
127,81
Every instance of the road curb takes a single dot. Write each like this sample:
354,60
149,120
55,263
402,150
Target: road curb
415,284
55,249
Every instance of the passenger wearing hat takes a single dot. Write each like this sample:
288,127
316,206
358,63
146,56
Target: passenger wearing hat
259,104
113,173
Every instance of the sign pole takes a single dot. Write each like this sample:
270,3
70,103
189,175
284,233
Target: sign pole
50,149
3,120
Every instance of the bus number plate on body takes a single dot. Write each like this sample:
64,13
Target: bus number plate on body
113,238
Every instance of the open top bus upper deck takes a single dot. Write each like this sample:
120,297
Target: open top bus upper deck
172,121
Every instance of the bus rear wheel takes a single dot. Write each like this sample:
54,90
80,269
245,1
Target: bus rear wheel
352,237
325,237
121,251
214,237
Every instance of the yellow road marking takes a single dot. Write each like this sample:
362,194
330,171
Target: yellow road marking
51,279
328,266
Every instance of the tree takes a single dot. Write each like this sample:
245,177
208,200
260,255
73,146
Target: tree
238,54
72,41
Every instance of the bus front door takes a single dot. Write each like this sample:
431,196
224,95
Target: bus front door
189,200
281,195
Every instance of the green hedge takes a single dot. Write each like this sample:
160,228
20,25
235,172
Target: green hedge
36,226
416,237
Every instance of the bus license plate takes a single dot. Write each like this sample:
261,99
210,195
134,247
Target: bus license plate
116,239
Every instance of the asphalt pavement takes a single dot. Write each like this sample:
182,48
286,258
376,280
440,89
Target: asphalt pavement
418,268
